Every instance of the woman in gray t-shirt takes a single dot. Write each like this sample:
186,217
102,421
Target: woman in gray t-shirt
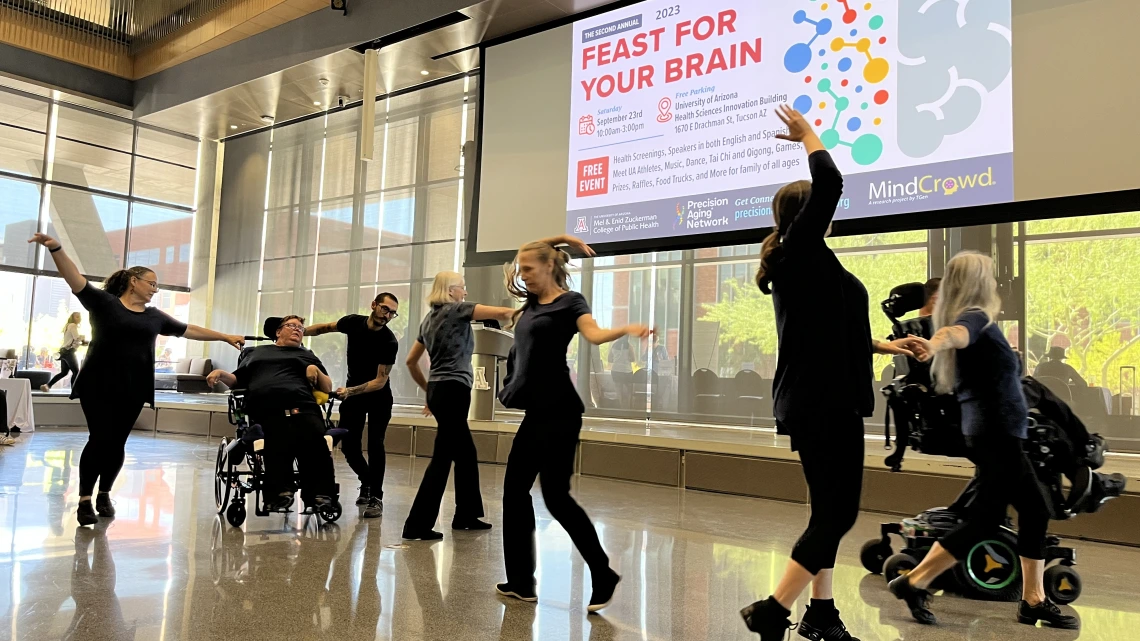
446,337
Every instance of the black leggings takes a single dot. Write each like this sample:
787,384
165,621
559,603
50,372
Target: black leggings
109,423
544,448
833,468
376,408
68,364
449,402
300,438
1004,477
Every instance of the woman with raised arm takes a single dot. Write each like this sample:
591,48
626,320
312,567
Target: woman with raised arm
446,336
118,373
823,383
973,359
538,382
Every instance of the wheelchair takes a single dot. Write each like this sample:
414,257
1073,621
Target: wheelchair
232,484
1059,447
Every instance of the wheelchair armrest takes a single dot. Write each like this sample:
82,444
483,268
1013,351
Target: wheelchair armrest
259,445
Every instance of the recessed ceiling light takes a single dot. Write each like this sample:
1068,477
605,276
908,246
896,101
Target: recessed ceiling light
267,119
233,126
316,103
424,72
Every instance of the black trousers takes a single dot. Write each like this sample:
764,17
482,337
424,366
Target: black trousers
544,448
300,438
832,459
375,410
1005,477
68,364
449,402
109,423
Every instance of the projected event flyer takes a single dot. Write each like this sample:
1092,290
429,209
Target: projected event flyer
673,123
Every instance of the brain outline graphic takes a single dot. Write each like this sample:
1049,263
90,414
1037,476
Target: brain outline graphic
953,53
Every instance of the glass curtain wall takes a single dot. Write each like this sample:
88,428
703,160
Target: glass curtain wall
115,192
339,231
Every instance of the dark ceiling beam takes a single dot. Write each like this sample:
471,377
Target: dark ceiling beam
65,76
307,38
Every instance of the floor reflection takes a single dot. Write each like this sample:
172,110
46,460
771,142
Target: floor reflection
169,569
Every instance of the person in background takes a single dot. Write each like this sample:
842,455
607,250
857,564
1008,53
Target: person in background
367,397
538,382
117,378
621,359
823,387
279,380
1054,366
72,340
923,327
446,336
973,359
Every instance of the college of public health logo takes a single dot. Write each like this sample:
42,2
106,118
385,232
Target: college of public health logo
679,222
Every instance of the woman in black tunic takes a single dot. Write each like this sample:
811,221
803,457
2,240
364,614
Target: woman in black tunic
538,381
823,386
117,378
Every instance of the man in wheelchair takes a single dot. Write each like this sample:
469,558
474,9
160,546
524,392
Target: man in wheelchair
279,381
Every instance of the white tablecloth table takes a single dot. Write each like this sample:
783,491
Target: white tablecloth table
19,393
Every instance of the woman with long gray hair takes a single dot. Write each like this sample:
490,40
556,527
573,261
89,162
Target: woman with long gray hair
974,360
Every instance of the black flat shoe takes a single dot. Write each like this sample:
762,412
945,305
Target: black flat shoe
103,505
430,535
85,513
917,600
763,618
603,594
1048,613
826,626
522,594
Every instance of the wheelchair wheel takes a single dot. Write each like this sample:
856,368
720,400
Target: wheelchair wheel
330,513
898,565
1062,584
235,514
874,554
991,570
222,477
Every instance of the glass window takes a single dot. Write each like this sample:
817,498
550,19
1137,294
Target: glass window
19,213
445,143
155,232
85,165
168,147
23,121
54,304
164,182
77,124
15,306
91,228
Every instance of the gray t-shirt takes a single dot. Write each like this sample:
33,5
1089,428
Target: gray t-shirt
446,333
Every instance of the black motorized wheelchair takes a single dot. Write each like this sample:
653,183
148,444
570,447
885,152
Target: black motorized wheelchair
231,484
1059,446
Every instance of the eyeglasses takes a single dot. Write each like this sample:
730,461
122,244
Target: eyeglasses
387,311
294,327
463,287
152,283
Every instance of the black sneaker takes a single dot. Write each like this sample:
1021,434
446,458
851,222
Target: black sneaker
365,495
522,594
469,524
823,626
766,619
603,593
86,513
428,535
917,600
15,430
1048,613
375,508
103,505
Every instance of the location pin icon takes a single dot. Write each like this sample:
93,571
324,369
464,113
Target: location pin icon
663,107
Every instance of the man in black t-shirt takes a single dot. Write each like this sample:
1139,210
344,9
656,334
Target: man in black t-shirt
279,380
371,353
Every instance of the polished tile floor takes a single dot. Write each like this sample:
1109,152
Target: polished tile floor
166,569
